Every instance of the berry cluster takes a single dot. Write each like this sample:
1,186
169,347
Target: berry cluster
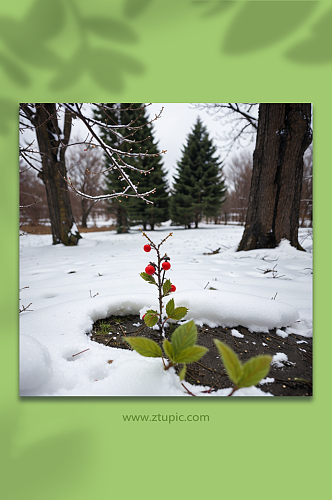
151,268
155,274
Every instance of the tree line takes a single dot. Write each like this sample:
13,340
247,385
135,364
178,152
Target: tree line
270,190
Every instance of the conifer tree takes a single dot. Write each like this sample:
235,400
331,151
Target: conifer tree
134,210
199,188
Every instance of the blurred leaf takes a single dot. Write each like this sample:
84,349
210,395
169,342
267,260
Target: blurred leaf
147,277
168,349
190,354
215,8
111,29
8,110
151,318
44,20
14,71
26,47
44,454
170,307
166,288
184,336
68,72
182,372
144,347
179,313
231,362
260,24
316,49
254,370
107,68
133,8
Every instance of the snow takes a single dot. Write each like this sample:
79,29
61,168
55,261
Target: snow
72,287
235,333
280,359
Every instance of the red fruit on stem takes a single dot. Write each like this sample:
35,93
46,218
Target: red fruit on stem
166,265
173,288
150,269
147,248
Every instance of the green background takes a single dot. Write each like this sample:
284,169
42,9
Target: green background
163,51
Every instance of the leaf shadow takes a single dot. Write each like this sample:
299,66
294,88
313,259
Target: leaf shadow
316,49
26,46
134,8
258,25
8,112
214,7
57,460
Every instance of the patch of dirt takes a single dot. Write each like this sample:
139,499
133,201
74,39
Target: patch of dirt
43,229
293,378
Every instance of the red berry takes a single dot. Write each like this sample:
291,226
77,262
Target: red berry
173,288
143,316
147,248
150,269
166,265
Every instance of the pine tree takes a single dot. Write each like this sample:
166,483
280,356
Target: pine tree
199,185
135,210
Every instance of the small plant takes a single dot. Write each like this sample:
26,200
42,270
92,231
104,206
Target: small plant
181,350
155,274
105,328
241,375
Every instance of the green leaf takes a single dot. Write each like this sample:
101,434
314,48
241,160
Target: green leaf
145,347
147,277
170,307
151,318
182,372
179,313
254,370
168,349
232,363
166,287
190,354
183,337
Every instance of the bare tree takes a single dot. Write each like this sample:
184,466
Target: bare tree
33,205
306,195
239,121
239,170
283,135
53,140
85,168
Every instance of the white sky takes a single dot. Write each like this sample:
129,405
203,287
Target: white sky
174,125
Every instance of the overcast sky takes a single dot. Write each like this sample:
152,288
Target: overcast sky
174,125
171,130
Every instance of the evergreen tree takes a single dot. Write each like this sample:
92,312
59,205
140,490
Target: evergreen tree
136,210
199,185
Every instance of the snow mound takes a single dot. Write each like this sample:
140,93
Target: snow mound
35,364
229,309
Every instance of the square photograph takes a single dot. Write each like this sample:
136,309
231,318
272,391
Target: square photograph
166,249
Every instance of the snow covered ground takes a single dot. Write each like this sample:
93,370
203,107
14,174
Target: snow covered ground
72,287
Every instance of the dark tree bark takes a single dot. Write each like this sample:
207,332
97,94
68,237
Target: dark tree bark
54,171
283,135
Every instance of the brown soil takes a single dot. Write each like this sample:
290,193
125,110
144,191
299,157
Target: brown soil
41,229
293,379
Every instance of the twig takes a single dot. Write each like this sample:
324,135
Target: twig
81,352
191,394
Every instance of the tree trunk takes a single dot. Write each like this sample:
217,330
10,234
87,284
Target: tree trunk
84,213
283,135
53,172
